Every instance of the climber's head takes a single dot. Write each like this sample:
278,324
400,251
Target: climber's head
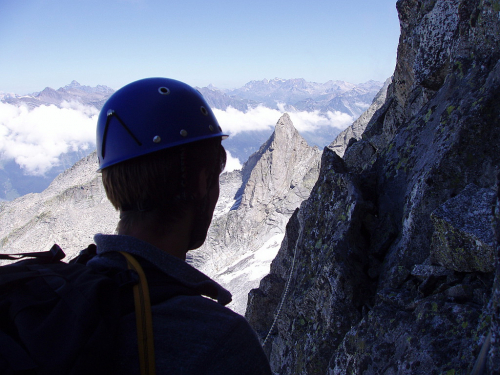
157,141
150,115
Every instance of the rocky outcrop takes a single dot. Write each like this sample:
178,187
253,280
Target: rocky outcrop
242,243
69,212
355,131
374,287
492,313
326,283
463,238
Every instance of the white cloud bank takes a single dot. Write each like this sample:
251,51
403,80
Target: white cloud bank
36,138
232,163
234,121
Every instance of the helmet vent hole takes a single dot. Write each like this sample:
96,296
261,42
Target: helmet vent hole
211,128
164,90
184,133
204,111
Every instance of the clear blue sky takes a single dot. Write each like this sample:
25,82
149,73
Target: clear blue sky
223,42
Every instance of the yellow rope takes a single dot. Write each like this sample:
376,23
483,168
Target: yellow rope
144,318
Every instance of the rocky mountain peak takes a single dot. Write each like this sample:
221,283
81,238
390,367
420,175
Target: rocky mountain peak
74,84
281,161
50,96
274,181
284,130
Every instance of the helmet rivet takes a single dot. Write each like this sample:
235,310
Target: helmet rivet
211,128
110,112
184,133
157,139
220,129
164,90
204,111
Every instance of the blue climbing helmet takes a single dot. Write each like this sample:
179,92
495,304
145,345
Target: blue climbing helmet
150,115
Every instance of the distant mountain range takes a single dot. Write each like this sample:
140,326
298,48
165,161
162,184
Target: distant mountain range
292,94
92,96
297,94
280,94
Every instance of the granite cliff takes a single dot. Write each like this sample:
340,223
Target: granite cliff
391,265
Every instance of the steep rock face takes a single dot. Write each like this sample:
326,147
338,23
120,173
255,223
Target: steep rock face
275,180
326,283
493,309
463,240
367,292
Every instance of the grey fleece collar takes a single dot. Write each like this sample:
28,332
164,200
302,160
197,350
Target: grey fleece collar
176,268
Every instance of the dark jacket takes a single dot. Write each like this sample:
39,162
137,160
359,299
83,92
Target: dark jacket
193,334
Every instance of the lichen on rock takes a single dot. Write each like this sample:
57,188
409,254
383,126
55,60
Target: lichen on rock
463,239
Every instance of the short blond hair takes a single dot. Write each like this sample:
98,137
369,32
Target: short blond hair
162,183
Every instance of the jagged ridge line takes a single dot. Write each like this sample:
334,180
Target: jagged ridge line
299,238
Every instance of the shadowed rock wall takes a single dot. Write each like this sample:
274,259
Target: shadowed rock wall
374,288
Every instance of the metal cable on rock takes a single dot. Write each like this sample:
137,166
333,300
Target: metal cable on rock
299,238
